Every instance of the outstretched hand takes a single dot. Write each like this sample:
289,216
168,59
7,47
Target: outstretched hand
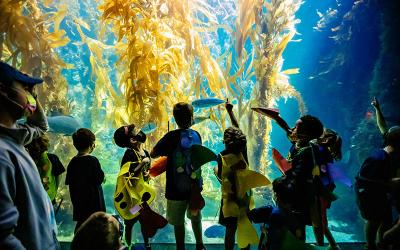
375,103
228,106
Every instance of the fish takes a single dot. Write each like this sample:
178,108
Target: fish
207,102
215,231
63,124
200,119
149,128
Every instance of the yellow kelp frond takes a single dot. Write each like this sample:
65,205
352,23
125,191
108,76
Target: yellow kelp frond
245,20
158,45
27,43
274,28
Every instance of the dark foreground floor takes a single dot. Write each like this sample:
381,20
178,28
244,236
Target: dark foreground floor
169,246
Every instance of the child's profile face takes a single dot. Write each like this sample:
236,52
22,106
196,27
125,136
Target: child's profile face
294,131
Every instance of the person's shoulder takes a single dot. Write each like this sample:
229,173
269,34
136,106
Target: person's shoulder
73,160
92,158
170,134
378,155
195,131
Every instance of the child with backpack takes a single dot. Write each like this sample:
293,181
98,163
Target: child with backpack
84,177
310,162
134,173
181,179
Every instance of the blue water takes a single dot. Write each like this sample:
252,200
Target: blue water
333,87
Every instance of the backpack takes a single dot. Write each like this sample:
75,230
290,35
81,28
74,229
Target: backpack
184,173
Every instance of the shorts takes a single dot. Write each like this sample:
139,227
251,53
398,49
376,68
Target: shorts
176,212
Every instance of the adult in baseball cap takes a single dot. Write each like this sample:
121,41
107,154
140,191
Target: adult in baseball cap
26,213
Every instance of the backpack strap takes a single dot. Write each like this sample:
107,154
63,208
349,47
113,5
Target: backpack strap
316,170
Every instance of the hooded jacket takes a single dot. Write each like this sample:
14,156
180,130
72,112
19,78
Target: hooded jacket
26,214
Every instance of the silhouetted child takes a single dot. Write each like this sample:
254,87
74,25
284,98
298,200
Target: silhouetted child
280,220
49,165
84,177
309,162
100,231
132,139
232,158
374,185
180,176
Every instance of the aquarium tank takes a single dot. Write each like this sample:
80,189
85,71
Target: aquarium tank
108,63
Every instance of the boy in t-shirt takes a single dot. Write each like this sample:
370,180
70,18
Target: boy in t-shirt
180,177
84,177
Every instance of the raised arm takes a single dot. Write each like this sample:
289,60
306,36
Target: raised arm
229,109
380,120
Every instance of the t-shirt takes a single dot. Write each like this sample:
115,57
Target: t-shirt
166,146
84,177
377,168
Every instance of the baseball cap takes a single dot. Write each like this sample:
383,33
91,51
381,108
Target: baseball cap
8,74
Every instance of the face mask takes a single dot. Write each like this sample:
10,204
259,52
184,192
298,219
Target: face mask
30,106
140,137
